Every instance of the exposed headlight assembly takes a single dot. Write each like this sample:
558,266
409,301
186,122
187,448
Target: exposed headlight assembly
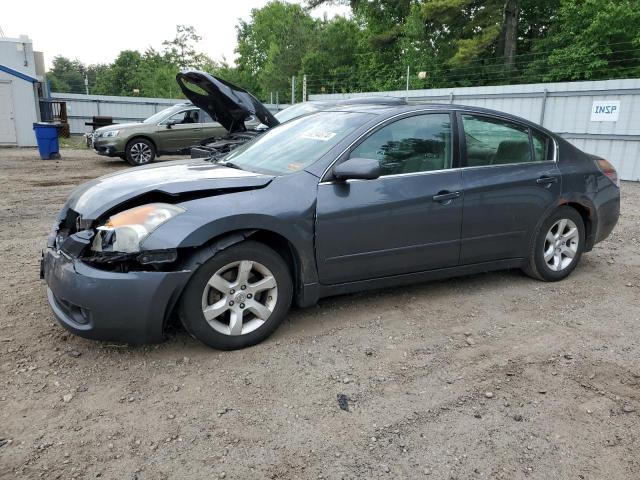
110,133
125,231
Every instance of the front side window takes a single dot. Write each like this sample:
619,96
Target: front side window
162,114
296,144
492,141
184,117
420,143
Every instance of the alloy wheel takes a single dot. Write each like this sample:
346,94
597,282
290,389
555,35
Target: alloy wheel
561,244
239,298
140,153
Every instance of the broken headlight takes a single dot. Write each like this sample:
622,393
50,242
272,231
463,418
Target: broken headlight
125,231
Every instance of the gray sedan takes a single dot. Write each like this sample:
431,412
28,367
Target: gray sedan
348,199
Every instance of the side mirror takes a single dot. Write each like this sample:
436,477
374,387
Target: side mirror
171,123
357,168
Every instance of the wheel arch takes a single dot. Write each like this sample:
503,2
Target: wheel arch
143,136
274,240
587,214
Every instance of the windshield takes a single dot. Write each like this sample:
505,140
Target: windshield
162,114
292,146
296,111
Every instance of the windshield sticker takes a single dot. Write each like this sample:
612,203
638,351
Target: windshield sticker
321,135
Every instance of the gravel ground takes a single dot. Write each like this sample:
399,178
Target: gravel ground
489,376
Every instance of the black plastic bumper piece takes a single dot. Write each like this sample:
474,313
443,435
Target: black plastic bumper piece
201,152
102,305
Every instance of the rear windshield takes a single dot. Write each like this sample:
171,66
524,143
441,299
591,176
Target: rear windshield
294,145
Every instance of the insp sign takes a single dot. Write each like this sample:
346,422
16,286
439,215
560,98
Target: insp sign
605,111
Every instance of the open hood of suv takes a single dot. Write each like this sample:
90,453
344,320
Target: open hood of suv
226,103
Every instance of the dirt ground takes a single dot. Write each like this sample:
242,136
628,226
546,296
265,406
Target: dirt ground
489,376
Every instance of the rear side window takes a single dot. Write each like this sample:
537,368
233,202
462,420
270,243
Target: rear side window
420,143
492,141
543,146
205,118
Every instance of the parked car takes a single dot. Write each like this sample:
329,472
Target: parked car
348,199
230,104
173,130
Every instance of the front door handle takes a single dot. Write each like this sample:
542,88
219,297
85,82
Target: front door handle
545,180
445,197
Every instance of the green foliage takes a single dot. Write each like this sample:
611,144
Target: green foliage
271,46
181,50
330,63
67,75
591,39
455,42
148,74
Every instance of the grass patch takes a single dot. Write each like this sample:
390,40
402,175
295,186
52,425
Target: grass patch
75,141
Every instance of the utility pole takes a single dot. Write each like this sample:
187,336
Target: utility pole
86,84
293,89
304,88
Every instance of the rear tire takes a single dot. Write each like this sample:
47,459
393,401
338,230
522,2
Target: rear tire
238,297
557,247
140,151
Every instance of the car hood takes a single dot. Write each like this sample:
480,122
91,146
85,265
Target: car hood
117,126
225,102
171,180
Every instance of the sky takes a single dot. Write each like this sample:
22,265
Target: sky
95,32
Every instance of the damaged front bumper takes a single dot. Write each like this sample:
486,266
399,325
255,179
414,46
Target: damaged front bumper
99,304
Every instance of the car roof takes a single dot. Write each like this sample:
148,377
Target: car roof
371,100
414,107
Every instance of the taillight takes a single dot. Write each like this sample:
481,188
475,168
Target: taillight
606,168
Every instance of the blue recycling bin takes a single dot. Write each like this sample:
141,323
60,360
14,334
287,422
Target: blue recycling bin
47,138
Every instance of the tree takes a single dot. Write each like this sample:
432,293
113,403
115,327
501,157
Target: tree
181,51
457,42
151,73
590,39
67,75
121,78
272,43
330,63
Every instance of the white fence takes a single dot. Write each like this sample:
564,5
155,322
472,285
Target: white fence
564,108
81,108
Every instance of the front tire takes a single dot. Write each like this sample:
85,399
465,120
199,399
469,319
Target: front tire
557,246
140,151
238,297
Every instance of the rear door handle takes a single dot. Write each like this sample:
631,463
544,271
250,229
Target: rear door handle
445,197
545,180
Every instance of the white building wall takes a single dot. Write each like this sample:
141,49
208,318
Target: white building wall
17,53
